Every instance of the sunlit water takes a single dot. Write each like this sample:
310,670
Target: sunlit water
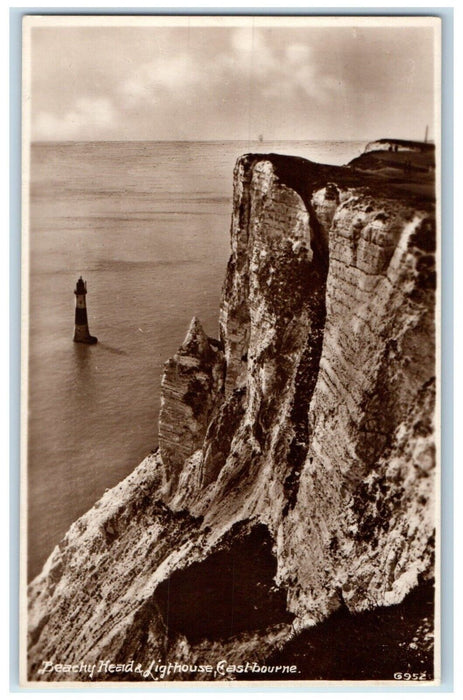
147,225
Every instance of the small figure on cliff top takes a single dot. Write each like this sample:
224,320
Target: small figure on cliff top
81,332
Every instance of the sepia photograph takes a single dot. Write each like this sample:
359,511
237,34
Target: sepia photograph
230,428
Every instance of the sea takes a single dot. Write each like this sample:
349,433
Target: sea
147,226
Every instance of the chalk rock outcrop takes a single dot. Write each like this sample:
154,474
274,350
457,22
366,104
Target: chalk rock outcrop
190,384
297,450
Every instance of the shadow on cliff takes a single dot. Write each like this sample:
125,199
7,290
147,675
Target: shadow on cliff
372,645
230,592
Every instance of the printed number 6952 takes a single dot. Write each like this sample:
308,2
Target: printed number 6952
399,676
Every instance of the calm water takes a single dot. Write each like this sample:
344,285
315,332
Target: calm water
147,225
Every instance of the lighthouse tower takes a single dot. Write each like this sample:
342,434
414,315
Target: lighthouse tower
81,332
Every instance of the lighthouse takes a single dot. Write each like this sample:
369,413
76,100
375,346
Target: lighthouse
81,332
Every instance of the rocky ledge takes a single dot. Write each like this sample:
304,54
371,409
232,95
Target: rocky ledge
293,491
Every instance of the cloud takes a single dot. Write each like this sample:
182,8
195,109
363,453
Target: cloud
98,113
189,82
279,71
248,61
166,74
198,80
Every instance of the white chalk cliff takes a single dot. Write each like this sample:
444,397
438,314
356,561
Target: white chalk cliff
295,476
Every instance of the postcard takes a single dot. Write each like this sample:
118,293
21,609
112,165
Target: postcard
230,351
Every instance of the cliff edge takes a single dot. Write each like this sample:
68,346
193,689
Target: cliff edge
294,482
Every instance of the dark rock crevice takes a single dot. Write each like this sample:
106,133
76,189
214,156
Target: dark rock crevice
230,592
306,376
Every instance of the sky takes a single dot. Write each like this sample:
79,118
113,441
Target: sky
216,83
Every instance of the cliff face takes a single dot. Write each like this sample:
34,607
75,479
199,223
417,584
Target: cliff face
295,471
